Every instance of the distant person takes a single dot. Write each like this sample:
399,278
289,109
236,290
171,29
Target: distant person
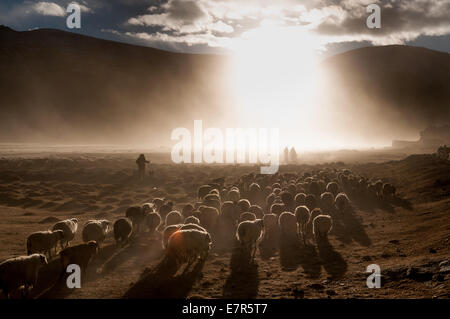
141,161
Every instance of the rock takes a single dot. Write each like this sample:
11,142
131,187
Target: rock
316,286
298,293
418,274
331,292
444,267
366,258
432,251
394,241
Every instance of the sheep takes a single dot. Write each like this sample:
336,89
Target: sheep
187,210
248,233
243,205
234,195
137,215
203,191
277,191
96,230
193,226
168,231
209,217
20,271
388,191
372,191
148,207
379,187
302,215
333,188
270,199
158,203
327,201
292,189
300,199
309,227
188,245
211,197
215,191
174,217
288,201
122,230
276,208
192,220
152,220
314,188
270,235
44,242
310,201
257,210
342,202
165,209
69,227
287,224
322,225
212,203
79,255
247,216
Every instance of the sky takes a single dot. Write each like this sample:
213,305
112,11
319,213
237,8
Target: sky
218,26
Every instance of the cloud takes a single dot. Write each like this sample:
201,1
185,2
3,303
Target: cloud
48,9
333,21
218,21
401,21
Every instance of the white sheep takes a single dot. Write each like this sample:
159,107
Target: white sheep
192,220
248,233
96,230
188,245
342,202
44,242
79,255
321,227
20,271
69,227
173,218
303,215
152,220
122,230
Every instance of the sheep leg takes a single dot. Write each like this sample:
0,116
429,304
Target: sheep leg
254,253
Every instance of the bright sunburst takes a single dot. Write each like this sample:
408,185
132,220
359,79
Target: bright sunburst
276,71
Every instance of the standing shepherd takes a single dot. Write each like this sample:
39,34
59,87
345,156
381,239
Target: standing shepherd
141,161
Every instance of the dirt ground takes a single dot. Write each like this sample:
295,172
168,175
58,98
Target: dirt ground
408,238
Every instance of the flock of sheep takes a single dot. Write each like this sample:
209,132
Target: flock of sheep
255,210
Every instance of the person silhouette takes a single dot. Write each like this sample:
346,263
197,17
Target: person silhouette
141,161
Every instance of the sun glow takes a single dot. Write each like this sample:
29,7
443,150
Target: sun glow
276,80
